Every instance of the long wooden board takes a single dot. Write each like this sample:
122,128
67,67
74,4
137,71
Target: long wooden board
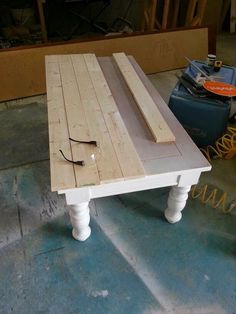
77,124
23,71
154,119
62,172
105,157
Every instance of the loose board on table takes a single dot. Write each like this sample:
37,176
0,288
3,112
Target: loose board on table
154,119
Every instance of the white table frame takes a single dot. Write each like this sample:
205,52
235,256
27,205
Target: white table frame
178,164
79,199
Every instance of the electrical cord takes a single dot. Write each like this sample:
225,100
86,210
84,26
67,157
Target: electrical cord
225,146
213,197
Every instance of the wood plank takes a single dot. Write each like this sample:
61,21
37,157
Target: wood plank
201,10
42,20
190,12
77,125
106,159
138,130
154,119
24,72
62,172
130,163
175,13
165,14
152,15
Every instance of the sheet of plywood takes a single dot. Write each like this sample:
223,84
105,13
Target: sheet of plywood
77,125
23,71
105,156
154,119
130,163
62,172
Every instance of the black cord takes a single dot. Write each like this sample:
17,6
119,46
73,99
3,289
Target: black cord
84,142
78,162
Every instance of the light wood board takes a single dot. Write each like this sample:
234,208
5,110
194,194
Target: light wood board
62,172
129,161
23,70
77,124
81,106
154,119
105,157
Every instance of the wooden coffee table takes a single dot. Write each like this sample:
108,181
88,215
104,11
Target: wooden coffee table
85,106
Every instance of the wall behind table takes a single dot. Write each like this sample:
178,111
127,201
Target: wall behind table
23,71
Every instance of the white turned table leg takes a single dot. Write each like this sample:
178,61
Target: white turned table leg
176,203
79,217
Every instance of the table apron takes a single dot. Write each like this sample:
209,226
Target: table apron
85,194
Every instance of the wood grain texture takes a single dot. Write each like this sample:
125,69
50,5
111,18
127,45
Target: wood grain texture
165,13
106,159
81,107
129,161
42,20
157,159
62,172
175,13
23,69
77,125
190,12
154,119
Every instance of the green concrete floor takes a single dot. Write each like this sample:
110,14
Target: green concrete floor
134,261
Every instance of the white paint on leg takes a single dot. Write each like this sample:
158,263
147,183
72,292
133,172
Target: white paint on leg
80,217
176,202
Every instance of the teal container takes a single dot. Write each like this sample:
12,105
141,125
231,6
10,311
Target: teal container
205,119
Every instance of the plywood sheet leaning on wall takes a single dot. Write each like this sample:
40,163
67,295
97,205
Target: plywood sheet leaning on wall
23,71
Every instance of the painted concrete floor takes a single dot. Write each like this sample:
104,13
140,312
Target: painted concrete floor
134,262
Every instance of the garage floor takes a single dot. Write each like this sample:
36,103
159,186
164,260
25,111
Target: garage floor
134,262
